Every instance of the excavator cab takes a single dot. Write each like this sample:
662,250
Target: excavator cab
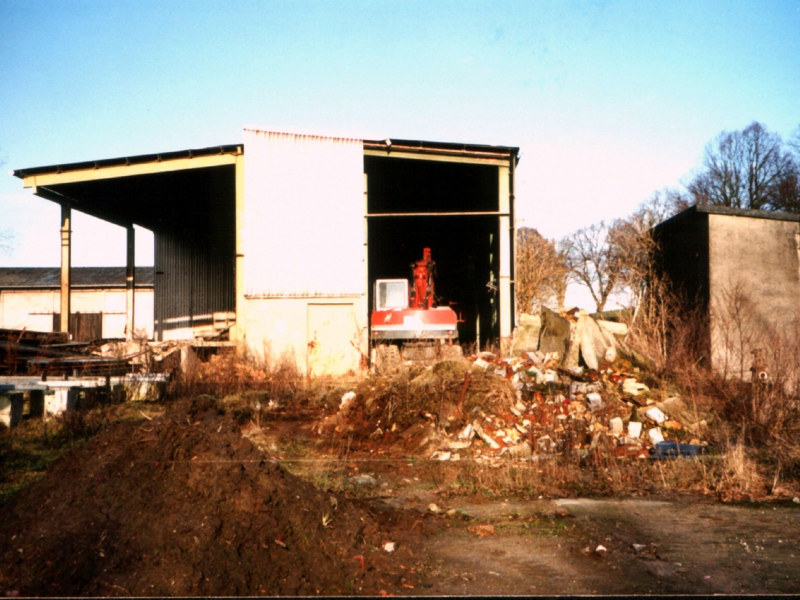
408,327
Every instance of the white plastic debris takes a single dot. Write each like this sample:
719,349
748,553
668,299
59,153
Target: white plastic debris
616,425
434,509
601,550
439,455
634,429
389,546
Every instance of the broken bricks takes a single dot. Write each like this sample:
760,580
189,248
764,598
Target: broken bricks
533,407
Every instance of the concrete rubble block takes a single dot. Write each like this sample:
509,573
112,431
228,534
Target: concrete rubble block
591,341
458,444
467,433
11,404
62,399
537,358
485,436
364,480
634,429
441,455
558,335
595,401
676,408
521,451
600,340
526,334
631,387
579,387
655,435
482,363
140,388
655,414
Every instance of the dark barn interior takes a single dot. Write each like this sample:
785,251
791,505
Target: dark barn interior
413,204
191,213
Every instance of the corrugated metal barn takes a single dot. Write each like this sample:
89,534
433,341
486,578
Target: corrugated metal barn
287,233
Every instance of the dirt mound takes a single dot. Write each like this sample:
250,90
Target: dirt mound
184,505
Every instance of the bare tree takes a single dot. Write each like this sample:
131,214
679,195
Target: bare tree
541,271
593,261
743,169
789,188
5,241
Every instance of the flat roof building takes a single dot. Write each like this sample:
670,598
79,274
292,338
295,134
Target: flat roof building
741,269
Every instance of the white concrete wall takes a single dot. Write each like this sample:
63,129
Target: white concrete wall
754,278
33,309
320,336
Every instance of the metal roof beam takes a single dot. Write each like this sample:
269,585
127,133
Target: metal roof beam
63,200
126,170
453,157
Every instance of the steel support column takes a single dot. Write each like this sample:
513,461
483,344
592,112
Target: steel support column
130,282
66,266
237,330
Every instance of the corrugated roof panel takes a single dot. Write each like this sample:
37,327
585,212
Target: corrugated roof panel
304,215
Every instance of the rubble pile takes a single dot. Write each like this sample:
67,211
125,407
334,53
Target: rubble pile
528,408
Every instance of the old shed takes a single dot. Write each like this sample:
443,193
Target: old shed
30,299
285,234
741,269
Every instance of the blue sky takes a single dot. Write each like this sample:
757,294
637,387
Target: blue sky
608,101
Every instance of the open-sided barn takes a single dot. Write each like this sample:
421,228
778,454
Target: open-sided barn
286,234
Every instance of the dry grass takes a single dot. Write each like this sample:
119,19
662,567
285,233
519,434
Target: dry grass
451,387
235,371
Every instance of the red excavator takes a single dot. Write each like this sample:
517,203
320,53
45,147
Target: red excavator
407,325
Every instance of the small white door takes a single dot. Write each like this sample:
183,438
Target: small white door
333,339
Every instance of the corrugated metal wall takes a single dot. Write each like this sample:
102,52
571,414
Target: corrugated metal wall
192,281
304,215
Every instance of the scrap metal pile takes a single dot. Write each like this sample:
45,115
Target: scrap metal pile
526,408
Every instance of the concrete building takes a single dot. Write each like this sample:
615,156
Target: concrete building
30,298
742,268
285,234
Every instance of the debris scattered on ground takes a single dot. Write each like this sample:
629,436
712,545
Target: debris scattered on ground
525,408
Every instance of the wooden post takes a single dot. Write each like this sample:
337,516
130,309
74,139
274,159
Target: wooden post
130,282
66,266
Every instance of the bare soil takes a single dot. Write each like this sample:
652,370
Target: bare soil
186,504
